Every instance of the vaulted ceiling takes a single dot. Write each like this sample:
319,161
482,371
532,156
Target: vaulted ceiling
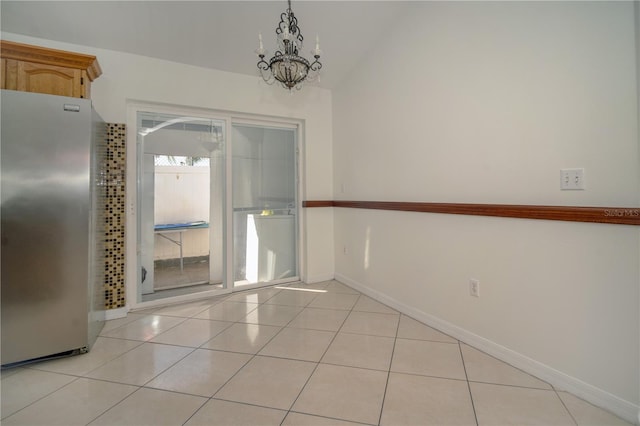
213,34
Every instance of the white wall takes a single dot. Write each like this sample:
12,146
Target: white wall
132,77
485,102
182,195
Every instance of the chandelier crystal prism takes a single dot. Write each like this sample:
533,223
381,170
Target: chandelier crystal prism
286,66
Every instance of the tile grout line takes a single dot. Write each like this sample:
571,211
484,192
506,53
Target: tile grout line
430,376
319,361
172,364
565,405
386,385
76,378
464,366
196,411
110,408
86,374
152,314
506,385
244,403
326,417
510,365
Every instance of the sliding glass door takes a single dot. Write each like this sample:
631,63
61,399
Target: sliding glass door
264,205
215,212
181,205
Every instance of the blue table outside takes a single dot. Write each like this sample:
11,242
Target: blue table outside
165,229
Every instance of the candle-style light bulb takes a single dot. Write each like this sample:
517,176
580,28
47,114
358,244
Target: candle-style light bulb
260,50
317,51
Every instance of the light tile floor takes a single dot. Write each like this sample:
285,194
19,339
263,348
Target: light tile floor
283,356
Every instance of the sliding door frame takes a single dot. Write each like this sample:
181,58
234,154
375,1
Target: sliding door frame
296,128
132,248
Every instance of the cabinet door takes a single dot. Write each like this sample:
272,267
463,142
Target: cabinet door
3,73
49,79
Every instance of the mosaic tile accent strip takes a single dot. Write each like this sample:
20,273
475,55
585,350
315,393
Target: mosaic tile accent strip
114,178
98,215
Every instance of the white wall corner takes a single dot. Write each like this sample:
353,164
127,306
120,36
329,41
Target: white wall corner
310,279
605,400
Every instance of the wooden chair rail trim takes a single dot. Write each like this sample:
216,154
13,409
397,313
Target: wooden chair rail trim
43,55
609,215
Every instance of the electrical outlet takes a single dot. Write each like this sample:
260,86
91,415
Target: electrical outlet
474,288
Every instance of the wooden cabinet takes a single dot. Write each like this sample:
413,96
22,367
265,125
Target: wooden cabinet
38,69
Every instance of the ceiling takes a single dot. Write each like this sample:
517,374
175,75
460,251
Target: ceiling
213,34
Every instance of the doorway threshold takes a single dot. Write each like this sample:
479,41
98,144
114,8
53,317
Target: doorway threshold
180,291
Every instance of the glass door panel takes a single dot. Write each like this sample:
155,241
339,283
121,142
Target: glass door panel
264,205
181,205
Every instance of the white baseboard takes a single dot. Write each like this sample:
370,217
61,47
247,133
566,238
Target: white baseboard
561,381
111,314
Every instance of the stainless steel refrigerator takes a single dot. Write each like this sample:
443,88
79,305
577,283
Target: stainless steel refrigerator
52,201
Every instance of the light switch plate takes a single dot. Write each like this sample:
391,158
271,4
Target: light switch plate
571,179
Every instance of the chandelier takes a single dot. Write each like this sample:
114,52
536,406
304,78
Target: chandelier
286,66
